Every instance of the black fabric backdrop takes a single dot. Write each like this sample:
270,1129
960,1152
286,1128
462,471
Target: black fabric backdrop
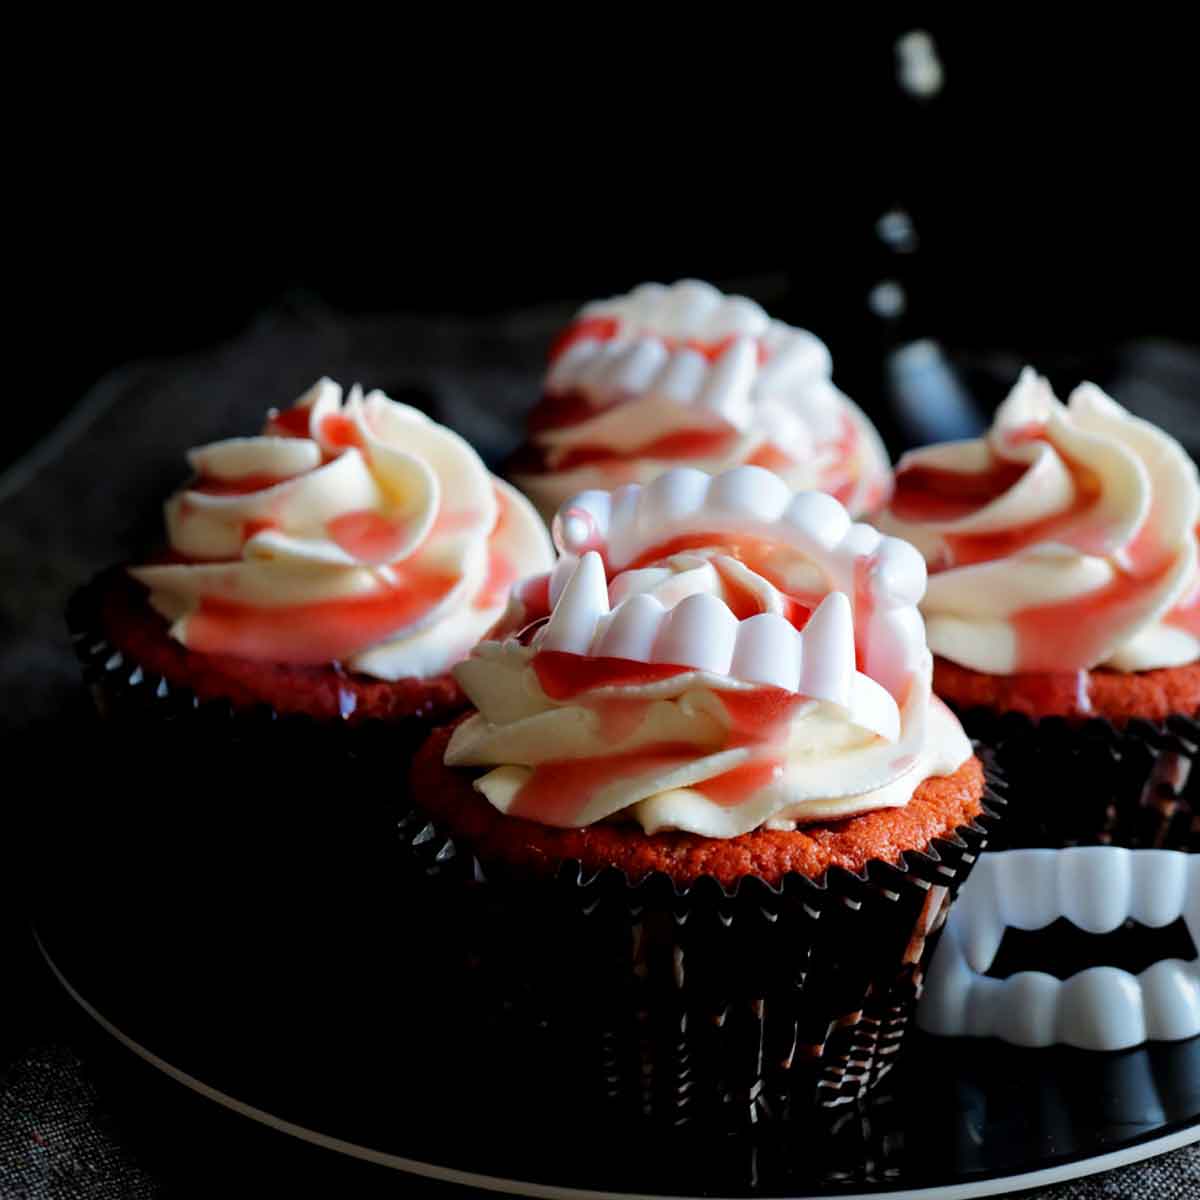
90,495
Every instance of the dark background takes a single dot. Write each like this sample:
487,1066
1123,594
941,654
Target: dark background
1050,184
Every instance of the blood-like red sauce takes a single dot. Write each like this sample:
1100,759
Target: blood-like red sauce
315,633
563,676
242,485
599,329
1186,616
289,422
250,528
340,430
558,792
937,494
771,458
370,537
1078,630
683,444
736,786
758,717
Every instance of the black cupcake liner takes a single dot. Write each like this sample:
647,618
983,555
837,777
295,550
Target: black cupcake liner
697,1005
1094,782
129,696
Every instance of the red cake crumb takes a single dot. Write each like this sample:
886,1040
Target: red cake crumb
1116,696
938,807
325,692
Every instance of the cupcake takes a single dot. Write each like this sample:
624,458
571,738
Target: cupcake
683,375
708,813
1064,610
333,568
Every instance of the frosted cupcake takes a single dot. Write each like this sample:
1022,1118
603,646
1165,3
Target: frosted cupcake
1064,610
683,375
335,567
706,769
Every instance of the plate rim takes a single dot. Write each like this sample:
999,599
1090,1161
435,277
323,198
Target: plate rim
1144,1147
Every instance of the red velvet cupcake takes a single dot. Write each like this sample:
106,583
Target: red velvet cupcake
1064,610
707,814
685,376
332,569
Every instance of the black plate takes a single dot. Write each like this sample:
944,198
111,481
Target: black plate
253,944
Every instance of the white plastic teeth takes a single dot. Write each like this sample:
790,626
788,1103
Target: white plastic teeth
1097,888
884,577
636,361
701,632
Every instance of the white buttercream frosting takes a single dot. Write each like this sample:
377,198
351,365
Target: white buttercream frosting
665,375
710,654
360,532
1065,539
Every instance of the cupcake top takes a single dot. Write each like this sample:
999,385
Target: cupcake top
360,533
1064,539
709,654
683,374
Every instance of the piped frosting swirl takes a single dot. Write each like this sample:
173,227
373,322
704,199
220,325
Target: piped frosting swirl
684,374
1063,540
711,654
359,532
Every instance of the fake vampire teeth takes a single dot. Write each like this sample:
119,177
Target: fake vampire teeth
1097,889
883,577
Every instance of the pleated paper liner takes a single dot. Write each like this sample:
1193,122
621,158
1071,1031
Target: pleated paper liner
1094,782
697,1004
130,695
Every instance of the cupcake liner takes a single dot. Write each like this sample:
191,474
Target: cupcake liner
698,1003
126,693
1094,782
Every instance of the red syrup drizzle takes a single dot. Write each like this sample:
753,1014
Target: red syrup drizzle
368,536
771,458
684,444
797,609
502,573
318,632
1048,635
289,422
559,790
241,485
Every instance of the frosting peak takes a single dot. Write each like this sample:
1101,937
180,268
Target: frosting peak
1063,540
710,654
665,375
358,532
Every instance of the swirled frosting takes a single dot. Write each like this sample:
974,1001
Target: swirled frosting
1065,539
360,532
683,374
710,654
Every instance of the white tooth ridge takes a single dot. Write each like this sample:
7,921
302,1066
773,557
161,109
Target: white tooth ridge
727,389
1170,1000
751,502
631,629
1099,1007
1102,1008
584,601
767,651
1025,890
682,377
1094,890
828,650
1159,881
700,632
751,492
